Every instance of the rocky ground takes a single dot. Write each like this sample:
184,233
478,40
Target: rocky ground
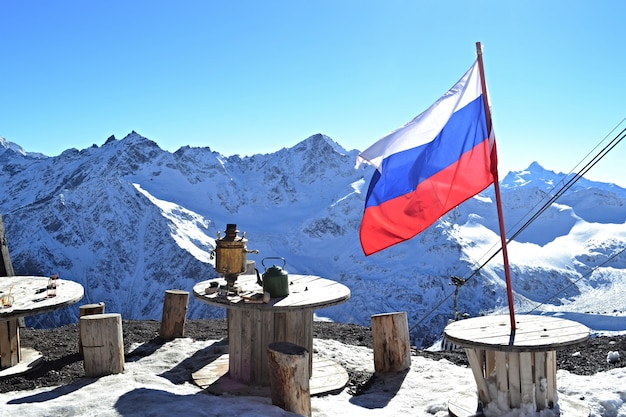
62,364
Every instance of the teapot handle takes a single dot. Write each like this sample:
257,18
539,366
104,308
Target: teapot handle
273,257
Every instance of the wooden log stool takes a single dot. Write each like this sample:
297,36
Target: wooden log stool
174,314
86,310
392,349
103,344
289,377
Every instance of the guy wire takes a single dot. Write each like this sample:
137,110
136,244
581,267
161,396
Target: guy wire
601,154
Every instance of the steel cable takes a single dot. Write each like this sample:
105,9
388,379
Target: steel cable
572,180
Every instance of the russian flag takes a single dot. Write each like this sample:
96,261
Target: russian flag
432,164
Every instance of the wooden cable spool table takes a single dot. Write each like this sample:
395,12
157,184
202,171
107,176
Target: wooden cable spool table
22,296
253,325
521,364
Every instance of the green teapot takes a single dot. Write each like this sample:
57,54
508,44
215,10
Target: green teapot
275,279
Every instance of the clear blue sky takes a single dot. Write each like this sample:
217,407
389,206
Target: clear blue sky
245,77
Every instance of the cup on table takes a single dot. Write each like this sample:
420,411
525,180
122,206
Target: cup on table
6,301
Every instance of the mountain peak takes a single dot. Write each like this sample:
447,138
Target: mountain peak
132,139
12,146
132,134
535,174
319,144
7,145
534,166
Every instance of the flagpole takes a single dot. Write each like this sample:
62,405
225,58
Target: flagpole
496,185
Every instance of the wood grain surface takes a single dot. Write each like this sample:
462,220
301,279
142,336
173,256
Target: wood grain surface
30,295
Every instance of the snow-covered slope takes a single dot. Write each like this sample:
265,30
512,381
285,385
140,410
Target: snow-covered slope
130,220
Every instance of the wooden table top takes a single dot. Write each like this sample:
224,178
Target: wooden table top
30,295
305,291
532,333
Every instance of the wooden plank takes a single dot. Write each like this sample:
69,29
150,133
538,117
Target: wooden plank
464,404
480,354
252,345
526,378
515,391
490,363
540,379
502,380
533,333
247,346
212,372
30,295
306,326
10,348
476,364
5,345
30,359
265,325
6,267
328,377
235,330
551,395
306,291
14,334
280,328
295,327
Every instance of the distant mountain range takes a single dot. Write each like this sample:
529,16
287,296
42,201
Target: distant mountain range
129,220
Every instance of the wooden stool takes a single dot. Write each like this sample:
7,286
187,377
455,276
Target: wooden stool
86,310
289,377
392,350
103,344
174,314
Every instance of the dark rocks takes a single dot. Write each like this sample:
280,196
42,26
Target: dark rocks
62,364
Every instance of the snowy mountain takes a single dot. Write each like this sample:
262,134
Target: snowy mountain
129,220
5,144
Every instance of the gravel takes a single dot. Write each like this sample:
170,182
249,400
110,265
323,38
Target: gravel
63,365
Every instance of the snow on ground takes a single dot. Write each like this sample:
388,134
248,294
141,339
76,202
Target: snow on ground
154,385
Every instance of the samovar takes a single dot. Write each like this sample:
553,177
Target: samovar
230,255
